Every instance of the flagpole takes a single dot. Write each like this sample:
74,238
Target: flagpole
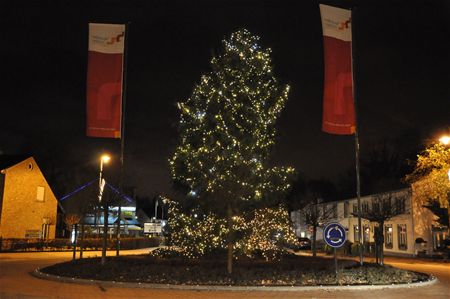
122,136
357,155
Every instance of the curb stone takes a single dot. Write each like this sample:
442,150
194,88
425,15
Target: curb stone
37,273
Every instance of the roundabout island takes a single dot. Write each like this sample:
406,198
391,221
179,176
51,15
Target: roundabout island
291,272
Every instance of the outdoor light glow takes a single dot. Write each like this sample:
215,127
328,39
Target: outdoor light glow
105,158
72,235
444,140
198,236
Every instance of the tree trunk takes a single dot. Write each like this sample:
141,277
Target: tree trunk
381,255
82,239
75,242
377,251
230,241
381,243
313,246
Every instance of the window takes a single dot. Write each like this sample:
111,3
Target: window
40,193
335,206
375,207
365,207
401,230
388,236
400,205
355,208
355,233
346,209
366,234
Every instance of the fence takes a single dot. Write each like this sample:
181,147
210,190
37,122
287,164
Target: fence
12,245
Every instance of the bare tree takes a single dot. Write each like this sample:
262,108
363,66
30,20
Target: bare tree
382,209
315,215
72,220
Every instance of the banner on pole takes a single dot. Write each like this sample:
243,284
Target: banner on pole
104,80
338,104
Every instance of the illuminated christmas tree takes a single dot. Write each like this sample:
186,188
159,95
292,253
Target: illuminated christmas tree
226,133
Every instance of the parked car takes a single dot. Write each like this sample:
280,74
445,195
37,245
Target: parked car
304,244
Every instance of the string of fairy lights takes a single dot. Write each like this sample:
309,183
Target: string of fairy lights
265,232
227,129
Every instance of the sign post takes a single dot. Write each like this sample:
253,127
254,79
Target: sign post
334,236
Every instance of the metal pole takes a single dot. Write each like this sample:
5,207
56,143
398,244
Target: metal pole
99,196
357,156
105,230
122,137
336,265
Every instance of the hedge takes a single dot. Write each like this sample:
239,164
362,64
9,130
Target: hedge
13,245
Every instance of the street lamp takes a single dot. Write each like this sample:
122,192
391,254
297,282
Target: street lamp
445,140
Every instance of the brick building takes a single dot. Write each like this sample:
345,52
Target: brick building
27,203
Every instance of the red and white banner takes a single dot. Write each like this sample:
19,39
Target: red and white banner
104,80
338,104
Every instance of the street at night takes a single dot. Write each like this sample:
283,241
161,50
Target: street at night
16,282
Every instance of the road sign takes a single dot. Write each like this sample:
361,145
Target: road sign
152,228
334,234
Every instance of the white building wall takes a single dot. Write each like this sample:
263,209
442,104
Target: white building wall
418,222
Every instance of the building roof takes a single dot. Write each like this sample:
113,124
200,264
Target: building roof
6,161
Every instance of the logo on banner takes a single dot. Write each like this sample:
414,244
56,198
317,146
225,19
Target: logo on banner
344,25
335,25
115,39
105,40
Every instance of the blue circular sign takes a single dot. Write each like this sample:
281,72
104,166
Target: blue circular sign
334,234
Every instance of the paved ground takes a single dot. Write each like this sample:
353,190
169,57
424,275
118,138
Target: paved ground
15,282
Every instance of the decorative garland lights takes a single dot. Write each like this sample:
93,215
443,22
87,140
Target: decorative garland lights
264,233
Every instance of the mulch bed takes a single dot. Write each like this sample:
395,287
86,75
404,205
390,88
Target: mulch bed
290,271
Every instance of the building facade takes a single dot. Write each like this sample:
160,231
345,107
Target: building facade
28,206
412,232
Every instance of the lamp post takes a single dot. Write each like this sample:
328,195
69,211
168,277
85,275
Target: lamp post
101,184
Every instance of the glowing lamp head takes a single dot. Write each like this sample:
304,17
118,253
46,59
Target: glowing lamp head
445,140
105,158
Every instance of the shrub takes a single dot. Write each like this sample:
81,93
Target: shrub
354,249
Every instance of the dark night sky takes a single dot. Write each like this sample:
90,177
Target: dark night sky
402,74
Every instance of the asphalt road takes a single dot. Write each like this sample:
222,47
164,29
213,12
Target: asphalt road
16,282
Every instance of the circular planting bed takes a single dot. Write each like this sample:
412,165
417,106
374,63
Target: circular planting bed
290,271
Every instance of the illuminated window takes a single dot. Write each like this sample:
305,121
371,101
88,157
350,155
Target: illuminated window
40,193
401,231
355,233
388,236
